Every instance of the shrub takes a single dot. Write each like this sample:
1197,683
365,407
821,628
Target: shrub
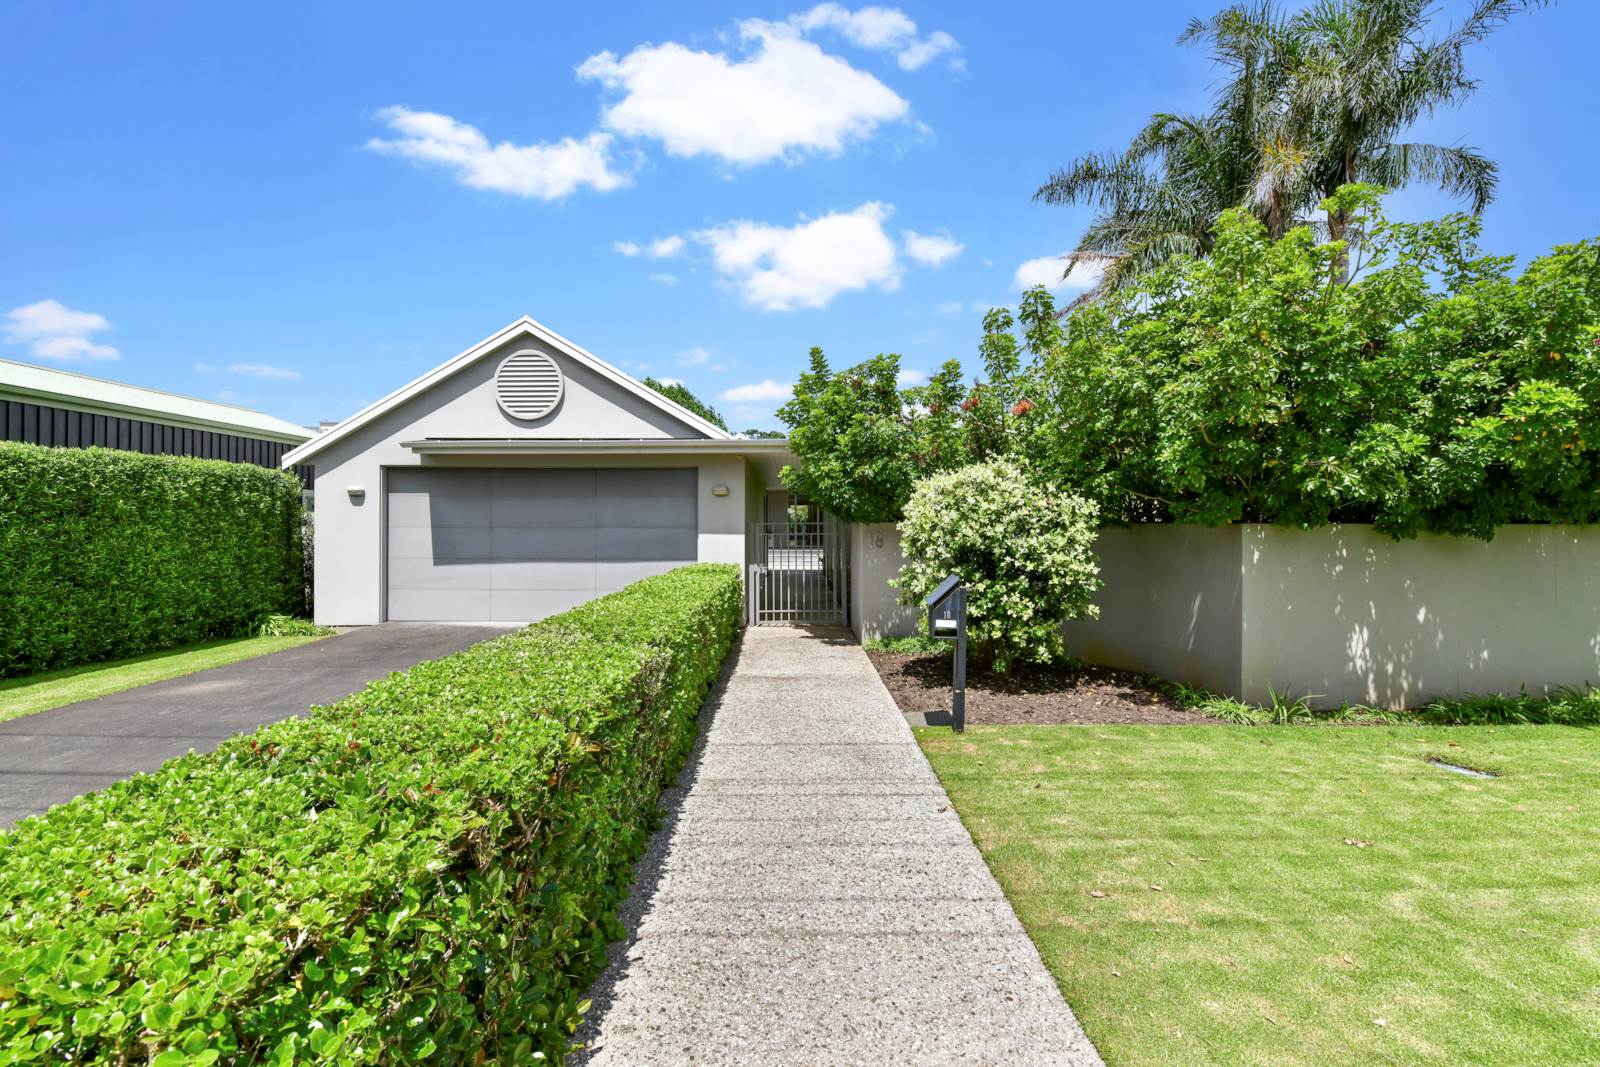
106,554
1024,549
427,871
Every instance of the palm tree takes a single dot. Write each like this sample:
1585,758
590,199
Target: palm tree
1308,103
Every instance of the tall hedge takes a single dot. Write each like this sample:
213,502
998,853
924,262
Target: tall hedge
106,554
426,872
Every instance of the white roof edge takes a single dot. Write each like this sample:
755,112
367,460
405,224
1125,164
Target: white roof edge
471,355
70,389
500,445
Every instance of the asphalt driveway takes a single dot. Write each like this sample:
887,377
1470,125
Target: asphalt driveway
55,755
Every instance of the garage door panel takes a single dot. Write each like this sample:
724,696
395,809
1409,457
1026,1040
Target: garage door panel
407,573
678,511
645,543
518,605
576,574
424,509
439,481
455,544
545,483
440,605
609,576
637,483
527,511
514,545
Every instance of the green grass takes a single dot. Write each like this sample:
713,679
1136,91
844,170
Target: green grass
1464,927
40,692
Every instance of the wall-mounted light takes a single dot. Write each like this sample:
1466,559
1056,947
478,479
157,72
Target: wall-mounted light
719,490
357,493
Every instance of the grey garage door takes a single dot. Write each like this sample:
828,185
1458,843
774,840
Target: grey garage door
518,545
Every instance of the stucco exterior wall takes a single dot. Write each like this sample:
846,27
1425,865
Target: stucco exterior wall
350,528
1333,614
1169,604
874,608
1344,613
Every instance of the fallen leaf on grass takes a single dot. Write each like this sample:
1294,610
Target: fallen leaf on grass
1116,974
1097,893
1348,959
1156,888
1355,843
1380,1022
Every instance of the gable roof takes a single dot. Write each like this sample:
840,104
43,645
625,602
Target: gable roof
523,326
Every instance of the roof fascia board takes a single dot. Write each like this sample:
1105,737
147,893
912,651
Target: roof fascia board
642,446
471,355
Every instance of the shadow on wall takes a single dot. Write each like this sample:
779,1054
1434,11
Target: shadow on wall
1344,613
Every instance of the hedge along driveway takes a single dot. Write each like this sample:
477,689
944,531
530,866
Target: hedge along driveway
428,870
106,554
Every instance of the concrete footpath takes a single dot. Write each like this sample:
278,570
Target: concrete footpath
813,899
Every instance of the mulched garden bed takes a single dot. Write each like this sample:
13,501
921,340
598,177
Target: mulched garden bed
1035,695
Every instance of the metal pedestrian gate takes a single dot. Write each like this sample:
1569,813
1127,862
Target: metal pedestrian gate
798,572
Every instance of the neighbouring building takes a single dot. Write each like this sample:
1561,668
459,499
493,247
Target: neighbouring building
45,406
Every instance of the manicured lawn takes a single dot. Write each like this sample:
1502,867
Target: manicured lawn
1238,926
38,692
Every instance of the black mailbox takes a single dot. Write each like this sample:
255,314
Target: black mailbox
947,621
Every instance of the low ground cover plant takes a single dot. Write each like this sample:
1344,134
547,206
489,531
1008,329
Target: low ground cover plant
427,871
105,554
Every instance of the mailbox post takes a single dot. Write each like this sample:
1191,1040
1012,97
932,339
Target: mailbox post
947,621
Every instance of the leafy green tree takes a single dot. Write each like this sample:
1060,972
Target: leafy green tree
762,435
1024,548
1308,103
679,394
1434,392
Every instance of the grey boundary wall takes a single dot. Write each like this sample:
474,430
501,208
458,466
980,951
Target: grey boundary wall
1337,613
41,424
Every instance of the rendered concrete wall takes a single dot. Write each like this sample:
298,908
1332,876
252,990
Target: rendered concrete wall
349,530
1333,614
1169,604
1347,614
874,608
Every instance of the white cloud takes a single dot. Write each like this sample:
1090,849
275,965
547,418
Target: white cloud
662,277
1047,271
950,307
781,268
626,248
884,29
263,370
51,330
538,171
785,98
911,377
767,391
931,249
694,357
665,247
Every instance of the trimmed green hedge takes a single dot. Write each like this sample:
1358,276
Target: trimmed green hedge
106,554
427,871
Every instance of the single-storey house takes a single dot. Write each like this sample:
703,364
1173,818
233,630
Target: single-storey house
522,477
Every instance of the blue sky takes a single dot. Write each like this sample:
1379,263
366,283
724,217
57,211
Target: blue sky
301,207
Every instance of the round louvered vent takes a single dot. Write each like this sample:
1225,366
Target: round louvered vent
528,385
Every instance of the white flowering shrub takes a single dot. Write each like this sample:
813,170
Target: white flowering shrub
1025,551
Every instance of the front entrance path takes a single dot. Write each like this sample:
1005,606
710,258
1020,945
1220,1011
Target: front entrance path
813,899
55,755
